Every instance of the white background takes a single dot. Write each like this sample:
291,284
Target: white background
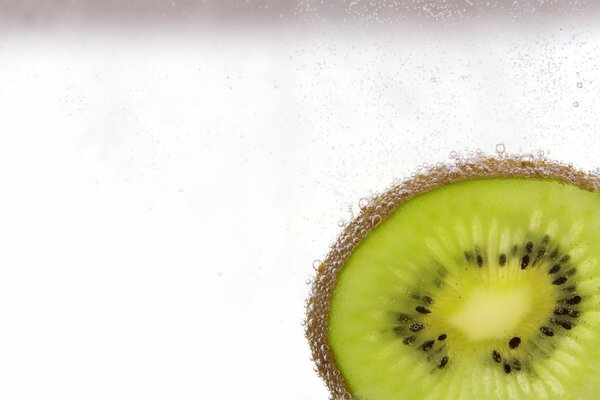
165,189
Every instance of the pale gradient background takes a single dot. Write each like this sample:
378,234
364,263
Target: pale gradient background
170,170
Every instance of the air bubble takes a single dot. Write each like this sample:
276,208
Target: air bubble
316,264
308,281
363,203
375,220
219,273
527,158
575,104
453,155
341,223
433,79
579,85
500,148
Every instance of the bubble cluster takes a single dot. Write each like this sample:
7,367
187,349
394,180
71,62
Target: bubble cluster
377,209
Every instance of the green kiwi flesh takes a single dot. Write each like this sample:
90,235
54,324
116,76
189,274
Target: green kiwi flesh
476,281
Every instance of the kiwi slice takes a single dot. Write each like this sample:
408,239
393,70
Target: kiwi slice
475,280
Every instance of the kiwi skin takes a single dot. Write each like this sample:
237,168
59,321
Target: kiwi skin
379,209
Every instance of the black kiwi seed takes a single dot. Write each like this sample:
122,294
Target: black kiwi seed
427,300
541,252
554,254
422,310
468,257
547,331
428,345
442,271
555,268
525,261
565,258
564,324
571,271
443,336
507,368
502,259
399,330
546,239
514,342
443,362
479,261
566,311
529,247
573,300
559,281
403,318
496,356
409,340
516,365
416,327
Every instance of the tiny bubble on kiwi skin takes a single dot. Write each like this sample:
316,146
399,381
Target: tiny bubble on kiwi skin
438,352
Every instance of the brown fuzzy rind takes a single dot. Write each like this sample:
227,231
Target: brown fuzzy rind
379,209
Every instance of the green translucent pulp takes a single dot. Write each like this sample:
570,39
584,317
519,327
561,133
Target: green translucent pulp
478,303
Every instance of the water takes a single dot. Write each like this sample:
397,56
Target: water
273,118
